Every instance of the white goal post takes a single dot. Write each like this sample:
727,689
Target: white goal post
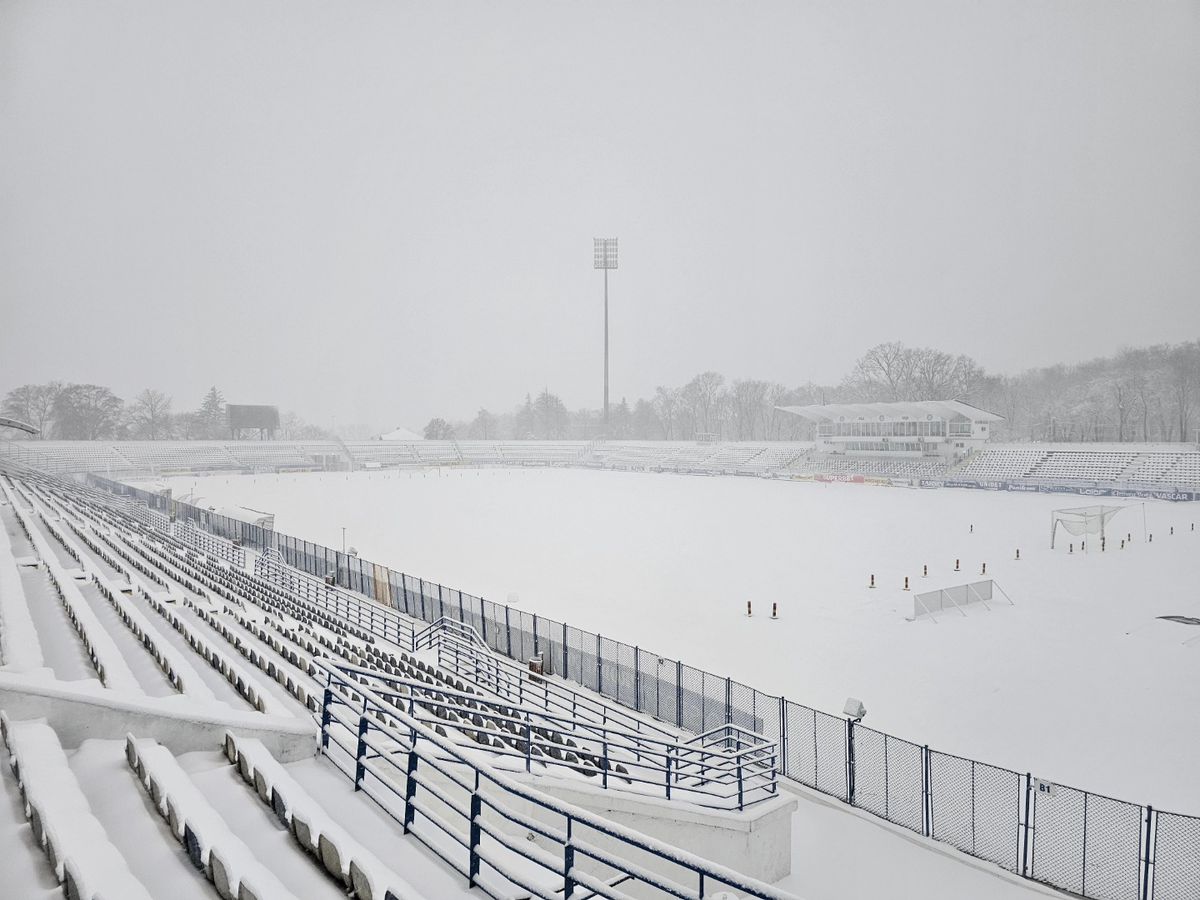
1082,520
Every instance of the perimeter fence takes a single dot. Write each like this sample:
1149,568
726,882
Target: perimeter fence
1082,842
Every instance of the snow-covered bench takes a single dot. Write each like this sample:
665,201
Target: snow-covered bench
210,843
247,687
304,693
83,858
174,664
343,857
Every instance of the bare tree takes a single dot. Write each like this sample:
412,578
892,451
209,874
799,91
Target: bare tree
150,415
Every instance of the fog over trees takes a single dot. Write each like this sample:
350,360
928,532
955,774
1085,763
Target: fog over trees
1139,394
90,412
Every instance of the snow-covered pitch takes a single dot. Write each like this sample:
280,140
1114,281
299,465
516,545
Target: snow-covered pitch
1079,682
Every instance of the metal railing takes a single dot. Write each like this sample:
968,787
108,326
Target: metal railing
717,774
479,820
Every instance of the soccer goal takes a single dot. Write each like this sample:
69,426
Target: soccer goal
1082,520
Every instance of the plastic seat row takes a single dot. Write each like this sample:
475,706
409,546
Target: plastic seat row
84,860
211,844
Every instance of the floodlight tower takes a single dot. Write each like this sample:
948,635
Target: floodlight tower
604,256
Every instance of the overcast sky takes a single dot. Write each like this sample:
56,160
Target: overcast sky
385,211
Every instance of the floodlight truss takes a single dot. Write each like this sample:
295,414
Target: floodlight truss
604,253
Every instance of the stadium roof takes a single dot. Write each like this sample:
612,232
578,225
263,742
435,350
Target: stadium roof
20,426
912,409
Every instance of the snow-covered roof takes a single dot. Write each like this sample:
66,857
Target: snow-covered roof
401,434
911,409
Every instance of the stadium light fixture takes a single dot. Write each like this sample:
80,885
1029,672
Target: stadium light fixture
854,709
604,256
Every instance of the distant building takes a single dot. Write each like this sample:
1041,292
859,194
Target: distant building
401,434
948,429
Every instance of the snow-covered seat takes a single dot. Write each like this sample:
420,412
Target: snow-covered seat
343,857
76,844
210,844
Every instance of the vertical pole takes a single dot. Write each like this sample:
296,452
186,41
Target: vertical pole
606,341
410,786
566,672
1083,861
1028,824
927,778
678,694
783,736
360,759
850,761
637,680
1147,857
568,865
476,812
599,669
326,715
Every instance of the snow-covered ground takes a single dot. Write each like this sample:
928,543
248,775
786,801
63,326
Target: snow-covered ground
1079,682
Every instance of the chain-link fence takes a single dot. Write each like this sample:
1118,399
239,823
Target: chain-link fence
1085,843
1175,855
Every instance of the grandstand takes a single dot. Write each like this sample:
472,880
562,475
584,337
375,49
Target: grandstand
184,656
1124,467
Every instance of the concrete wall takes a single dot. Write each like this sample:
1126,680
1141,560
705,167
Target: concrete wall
80,715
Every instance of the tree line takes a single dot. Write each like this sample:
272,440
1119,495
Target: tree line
90,412
1146,394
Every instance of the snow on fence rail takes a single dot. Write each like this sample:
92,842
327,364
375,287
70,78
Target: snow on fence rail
342,856
818,749
433,787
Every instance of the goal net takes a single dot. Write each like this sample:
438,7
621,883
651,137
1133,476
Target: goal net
1082,520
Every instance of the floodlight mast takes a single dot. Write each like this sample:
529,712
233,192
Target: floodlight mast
604,256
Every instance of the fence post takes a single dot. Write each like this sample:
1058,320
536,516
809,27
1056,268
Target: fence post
599,668
528,743
568,865
728,707
927,789
508,631
360,757
1147,856
1025,838
670,751
637,680
850,761
482,621
476,812
566,672
783,737
410,787
741,789
1083,861
326,715
678,694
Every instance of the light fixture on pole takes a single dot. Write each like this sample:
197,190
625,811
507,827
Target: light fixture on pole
604,256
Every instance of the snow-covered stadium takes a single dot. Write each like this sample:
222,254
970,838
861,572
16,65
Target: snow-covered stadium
409,668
